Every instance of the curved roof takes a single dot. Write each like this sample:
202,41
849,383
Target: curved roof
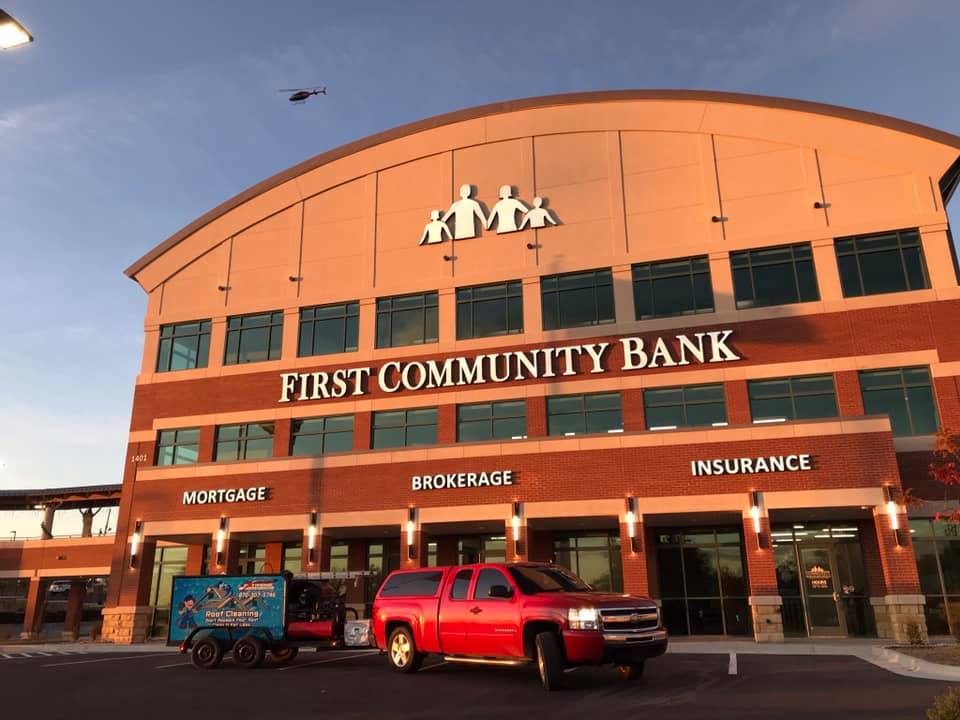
948,182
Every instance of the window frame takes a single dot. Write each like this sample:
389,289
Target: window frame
512,289
691,273
793,395
684,403
857,253
583,412
323,433
242,440
406,425
350,311
492,418
175,445
429,303
752,264
553,295
202,349
274,326
904,386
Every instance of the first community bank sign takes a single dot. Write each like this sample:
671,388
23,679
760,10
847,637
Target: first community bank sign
564,360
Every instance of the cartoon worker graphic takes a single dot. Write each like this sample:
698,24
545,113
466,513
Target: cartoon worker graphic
505,211
538,216
464,211
186,614
434,230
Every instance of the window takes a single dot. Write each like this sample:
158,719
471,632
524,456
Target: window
292,558
403,428
577,299
492,421
936,544
326,329
251,441
593,557
407,320
490,310
409,584
178,447
573,414
320,436
252,559
875,264
168,562
798,398
253,338
672,287
339,557
486,579
906,395
774,276
677,407
461,583
184,346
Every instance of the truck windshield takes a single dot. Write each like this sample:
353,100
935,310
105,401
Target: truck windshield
533,580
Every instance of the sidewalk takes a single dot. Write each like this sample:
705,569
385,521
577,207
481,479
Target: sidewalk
83,648
871,650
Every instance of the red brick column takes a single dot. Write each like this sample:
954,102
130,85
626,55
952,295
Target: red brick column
281,437
536,416
194,564
71,623
540,545
420,543
207,440
446,549
33,612
738,402
633,415
849,398
231,557
765,603
948,401
273,558
510,549
322,563
362,431
636,579
899,614
447,424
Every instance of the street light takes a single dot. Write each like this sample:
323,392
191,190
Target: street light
12,33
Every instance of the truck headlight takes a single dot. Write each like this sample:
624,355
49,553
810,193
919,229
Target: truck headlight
584,618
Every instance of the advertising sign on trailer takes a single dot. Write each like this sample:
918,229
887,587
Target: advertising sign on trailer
226,601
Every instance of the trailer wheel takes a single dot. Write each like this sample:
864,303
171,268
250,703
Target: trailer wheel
549,660
402,651
248,652
206,653
284,653
632,671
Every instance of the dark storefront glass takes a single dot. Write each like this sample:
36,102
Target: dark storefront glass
594,557
774,276
490,310
936,545
168,562
672,287
577,299
906,395
884,263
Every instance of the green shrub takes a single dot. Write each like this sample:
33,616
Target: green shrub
945,707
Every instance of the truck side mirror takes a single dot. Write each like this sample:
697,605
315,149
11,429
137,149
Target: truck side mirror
499,591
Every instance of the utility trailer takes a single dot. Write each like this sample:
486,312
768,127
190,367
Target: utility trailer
250,616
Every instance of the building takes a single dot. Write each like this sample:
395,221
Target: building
690,344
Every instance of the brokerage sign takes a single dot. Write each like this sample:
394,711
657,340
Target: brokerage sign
565,360
226,495
751,465
451,481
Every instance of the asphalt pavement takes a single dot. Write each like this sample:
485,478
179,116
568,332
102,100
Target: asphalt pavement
359,684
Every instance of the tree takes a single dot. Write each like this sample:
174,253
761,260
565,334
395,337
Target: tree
945,469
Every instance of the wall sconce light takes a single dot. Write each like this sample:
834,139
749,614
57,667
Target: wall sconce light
631,519
893,513
515,521
221,539
411,526
135,543
312,539
755,501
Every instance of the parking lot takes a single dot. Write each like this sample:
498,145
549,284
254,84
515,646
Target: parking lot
359,684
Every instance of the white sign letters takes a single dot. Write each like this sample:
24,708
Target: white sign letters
225,495
451,481
751,465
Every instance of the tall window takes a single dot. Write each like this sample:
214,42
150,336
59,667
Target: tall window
492,421
489,310
184,346
253,338
577,299
252,559
774,276
797,398
407,320
906,395
672,287
404,428
875,264
936,543
292,558
178,447
319,436
593,557
689,406
577,414
250,441
326,329
168,562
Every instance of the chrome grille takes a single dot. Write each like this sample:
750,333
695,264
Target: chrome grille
627,620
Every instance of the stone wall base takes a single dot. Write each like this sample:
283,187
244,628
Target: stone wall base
126,625
900,618
767,618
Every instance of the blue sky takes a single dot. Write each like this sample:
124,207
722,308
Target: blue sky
124,121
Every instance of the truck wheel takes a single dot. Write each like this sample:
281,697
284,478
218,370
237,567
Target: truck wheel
248,652
549,660
633,671
403,653
206,654
284,654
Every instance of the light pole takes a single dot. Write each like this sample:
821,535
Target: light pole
12,33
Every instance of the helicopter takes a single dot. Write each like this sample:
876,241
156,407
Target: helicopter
300,95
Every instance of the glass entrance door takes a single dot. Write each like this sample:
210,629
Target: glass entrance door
481,548
819,586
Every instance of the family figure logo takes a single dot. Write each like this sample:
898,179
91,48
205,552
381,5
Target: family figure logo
466,211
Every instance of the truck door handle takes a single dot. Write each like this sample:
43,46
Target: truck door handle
476,610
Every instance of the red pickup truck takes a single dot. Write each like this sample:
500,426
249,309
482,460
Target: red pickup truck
513,614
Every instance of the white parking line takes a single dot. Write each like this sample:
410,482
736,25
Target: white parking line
179,664
7,657
361,653
110,659
435,665
732,667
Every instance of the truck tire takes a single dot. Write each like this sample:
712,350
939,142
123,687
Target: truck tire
549,660
249,652
206,653
633,671
284,654
402,651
